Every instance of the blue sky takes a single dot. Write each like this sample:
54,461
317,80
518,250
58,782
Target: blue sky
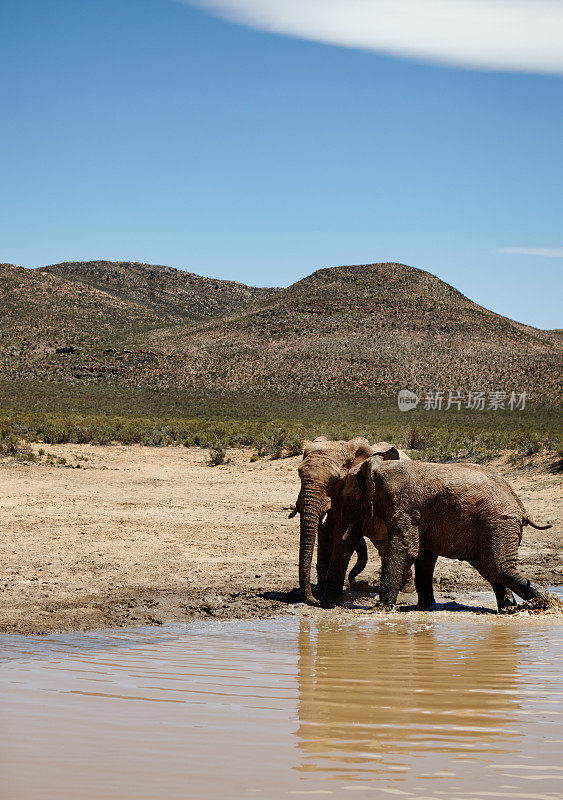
151,130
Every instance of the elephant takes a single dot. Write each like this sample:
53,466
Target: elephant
371,528
322,471
461,511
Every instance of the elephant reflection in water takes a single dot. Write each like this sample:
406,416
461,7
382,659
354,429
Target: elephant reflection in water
402,689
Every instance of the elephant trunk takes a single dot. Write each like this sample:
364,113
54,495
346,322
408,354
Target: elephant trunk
360,565
312,506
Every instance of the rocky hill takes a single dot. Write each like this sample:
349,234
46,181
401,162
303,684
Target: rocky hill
168,293
367,330
40,310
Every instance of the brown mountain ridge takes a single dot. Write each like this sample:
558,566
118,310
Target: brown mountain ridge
169,293
366,329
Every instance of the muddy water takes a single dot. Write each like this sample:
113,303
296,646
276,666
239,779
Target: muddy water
422,706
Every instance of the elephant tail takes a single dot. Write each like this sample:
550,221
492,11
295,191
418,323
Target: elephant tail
528,521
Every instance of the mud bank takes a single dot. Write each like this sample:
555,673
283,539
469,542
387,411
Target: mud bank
135,535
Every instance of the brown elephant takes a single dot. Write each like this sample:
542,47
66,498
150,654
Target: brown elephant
369,527
322,472
461,511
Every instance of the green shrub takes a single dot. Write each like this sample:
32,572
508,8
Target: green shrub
294,446
9,443
279,443
157,438
534,447
25,455
417,438
273,427
217,456
276,441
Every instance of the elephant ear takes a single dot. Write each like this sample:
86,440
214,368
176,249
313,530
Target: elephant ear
368,469
370,465
390,455
386,451
354,486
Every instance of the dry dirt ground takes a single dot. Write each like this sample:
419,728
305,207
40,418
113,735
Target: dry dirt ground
141,535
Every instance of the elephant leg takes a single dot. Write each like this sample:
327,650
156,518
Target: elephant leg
324,552
423,575
341,555
407,584
505,598
362,551
524,588
498,559
402,550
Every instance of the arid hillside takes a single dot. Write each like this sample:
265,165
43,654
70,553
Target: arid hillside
367,330
40,311
169,293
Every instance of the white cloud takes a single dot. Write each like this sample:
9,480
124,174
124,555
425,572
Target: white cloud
515,35
550,252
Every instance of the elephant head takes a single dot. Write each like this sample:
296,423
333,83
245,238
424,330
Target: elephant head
354,504
357,501
322,472
357,513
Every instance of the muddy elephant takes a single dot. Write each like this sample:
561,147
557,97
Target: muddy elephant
369,527
322,471
461,511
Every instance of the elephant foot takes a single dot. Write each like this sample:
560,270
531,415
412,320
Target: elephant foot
330,599
385,607
505,598
318,591
426,601
507,607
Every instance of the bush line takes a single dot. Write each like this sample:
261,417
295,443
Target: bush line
274,438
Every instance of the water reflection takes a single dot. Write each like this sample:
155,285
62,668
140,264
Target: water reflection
400,689
426,706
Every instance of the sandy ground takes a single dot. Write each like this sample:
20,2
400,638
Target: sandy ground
141,535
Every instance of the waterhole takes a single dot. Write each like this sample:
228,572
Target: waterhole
381,706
